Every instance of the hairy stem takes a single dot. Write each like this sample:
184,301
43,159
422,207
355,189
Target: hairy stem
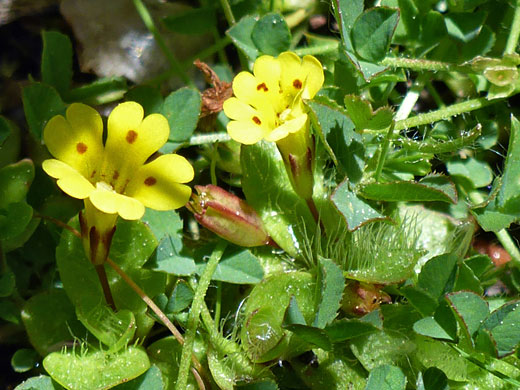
444,113
228,13
196,308
422,65
384,151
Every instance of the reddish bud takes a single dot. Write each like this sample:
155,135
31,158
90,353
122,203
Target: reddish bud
361,298
228,216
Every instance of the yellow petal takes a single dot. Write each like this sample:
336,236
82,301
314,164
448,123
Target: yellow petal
76,140
244,132
240,111
111,202
130,141
237,109
290,126
314,80
156,184
297,76
267,69
69,179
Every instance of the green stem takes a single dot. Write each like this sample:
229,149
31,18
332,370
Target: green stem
485,366
411,98
204,139
503,235
422,65
228,12
218,304
196,308
150,25
384,151
317,50
514,32
444,113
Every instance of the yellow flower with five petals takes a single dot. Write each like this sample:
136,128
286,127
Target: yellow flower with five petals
268,103
114,176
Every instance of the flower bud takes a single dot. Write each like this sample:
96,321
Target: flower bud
228,216
361,298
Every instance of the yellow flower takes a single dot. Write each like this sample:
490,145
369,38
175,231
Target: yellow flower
268,103
114,177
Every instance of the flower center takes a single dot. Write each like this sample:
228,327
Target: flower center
101,185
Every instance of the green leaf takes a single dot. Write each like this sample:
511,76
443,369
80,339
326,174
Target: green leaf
192,21
181,298
490,218
132,244
9,311
7,283
100,91
148,97
150,380
15,220
361,113
24,360
478,173
56,65
372,32
5,130
331,285
421,300
346,13
386,378
15,180
240,34
464,26
182,109
238,265
437,276
54,309
466,280
504,326
271,34
268,190
336,131
509,194
293,315
347,328
115,330
312,335
470,307
383,347
170,255
40,103
268,384
431,328
429,189
432,379
96,369
356,211
41,382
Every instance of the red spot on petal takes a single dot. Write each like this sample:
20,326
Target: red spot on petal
131,136
81,147
297,84
262,87
150,181
257,120
115,175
